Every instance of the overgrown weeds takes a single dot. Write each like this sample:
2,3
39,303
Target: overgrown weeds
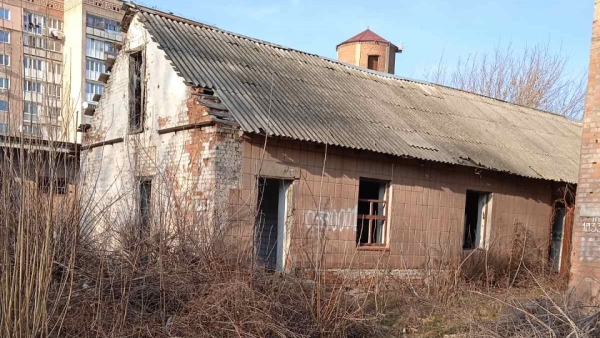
61,277
154,293
170,280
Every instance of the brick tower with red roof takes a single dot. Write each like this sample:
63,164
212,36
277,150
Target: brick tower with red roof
369,50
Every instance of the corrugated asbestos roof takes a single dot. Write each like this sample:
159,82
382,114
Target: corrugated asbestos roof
292,94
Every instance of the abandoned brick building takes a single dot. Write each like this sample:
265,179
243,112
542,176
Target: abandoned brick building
290,149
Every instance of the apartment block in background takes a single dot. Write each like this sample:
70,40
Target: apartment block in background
52,60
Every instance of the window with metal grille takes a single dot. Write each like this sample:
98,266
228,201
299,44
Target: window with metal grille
372,212
136,92
373,62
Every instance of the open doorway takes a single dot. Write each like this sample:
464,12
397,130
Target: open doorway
271,217
558,229
476,219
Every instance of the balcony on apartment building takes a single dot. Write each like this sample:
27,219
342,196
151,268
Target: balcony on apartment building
104,28
43,36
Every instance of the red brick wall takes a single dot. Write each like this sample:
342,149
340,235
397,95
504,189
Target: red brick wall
347,54
585,258
426,207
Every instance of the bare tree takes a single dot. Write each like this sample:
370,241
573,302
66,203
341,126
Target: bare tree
534,77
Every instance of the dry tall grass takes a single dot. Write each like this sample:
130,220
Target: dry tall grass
60,279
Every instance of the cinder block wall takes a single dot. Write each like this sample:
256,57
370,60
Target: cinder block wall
585,258
426,208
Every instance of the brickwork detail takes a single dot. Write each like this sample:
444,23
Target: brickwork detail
585,257
113,6
348,53
58,5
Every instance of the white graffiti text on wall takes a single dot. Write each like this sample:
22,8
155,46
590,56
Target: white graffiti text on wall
592,226
343,219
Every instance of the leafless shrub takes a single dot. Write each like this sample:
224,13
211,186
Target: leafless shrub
535,77
543,317
60,278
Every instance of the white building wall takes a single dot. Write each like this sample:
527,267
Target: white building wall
183,160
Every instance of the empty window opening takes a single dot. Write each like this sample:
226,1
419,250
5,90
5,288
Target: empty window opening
558,227
57,186
145,198
373,62
136,91
270,222
476,209
372,212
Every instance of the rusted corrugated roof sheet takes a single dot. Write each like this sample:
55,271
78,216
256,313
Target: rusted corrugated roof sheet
292,94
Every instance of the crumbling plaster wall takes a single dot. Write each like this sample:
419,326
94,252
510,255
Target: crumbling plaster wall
184,164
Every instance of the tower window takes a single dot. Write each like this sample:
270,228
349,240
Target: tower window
373,62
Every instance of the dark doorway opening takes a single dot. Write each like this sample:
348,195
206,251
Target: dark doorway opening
476,205
558,229
270,222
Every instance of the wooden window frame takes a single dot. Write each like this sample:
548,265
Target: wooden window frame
371,217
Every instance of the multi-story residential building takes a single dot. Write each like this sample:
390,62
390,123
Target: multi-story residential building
52,57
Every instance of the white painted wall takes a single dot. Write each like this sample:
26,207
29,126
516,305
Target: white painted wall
110,172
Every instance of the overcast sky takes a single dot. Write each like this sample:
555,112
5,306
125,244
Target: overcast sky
426,29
